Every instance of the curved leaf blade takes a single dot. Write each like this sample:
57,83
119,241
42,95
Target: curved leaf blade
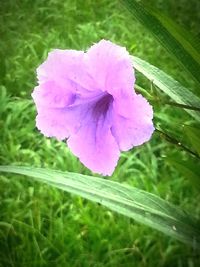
181,48
193,134
190,43
187,168
142,206
169,86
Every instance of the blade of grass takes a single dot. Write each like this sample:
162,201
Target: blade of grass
187,168
173,39
168,85
142,206
193,134
190,43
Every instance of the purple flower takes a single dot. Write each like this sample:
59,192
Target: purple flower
88,99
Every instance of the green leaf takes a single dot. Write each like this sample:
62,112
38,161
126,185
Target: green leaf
132,202
190,43
193,134
188,168
170,35
169,86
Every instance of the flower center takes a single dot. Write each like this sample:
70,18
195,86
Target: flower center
102,105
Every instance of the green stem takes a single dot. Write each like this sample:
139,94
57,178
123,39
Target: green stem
158,100
181,105
176,142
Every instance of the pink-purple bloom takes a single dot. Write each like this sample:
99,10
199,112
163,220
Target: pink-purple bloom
88,98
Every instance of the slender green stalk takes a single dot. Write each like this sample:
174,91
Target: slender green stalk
172,140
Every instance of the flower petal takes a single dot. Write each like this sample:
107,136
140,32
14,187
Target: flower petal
89,99
95,146
52,122
110,65
134,127
67,69
61,122
49,94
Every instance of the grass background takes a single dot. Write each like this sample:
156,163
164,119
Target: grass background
42,226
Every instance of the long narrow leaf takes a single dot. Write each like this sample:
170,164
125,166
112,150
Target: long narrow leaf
190,43
175,41
134,203
193,134
168,85
188,168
